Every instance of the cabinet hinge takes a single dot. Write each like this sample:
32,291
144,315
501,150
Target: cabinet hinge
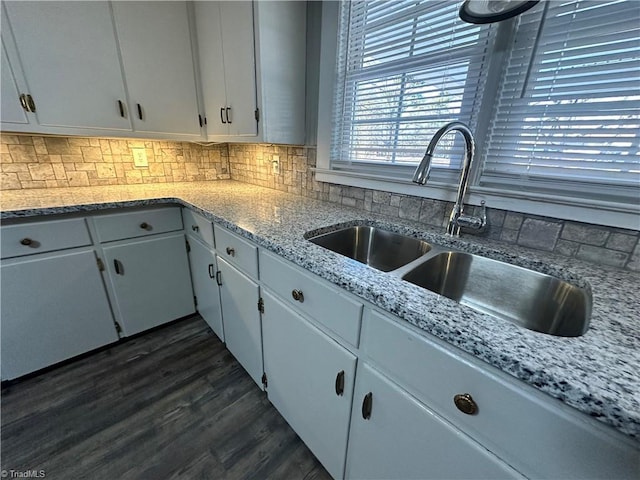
264,380
188,246
118,327
261,305
257,114
100,264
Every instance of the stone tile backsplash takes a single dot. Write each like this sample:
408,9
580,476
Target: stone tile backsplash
592,243
44,162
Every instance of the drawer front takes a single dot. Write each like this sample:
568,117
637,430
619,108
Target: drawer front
237,251
40,237
198,226
118,226
533,432
314,297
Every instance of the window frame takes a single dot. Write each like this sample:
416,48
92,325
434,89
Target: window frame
600,212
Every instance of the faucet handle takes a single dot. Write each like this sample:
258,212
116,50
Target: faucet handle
483,218
474,223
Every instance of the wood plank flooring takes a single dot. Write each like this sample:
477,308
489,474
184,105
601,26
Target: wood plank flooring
170,404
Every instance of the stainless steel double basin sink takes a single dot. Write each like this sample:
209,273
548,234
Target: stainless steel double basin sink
531,299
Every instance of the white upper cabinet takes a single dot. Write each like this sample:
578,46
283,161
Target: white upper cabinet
11,96
12,111
252,64
105,68
132,69
281,52
155,44
69,56
227,67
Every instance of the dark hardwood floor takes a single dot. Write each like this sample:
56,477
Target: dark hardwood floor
172,403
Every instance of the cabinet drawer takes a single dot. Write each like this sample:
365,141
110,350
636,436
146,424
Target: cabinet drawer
560,441
40,237
198,226
237,251
118,226
313,296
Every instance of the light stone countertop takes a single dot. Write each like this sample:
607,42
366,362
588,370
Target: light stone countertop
597,373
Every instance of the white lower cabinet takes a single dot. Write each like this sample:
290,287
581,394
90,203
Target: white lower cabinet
242,329
393,436
54,307
205,287
150,280
309,380
536,434
404,423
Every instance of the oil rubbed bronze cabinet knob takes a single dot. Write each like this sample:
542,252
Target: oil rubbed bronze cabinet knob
144,226
26,241
231,251
367,405
298,295
195,228
340,383
465,403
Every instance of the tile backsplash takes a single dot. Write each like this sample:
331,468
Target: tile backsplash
44,162
592,243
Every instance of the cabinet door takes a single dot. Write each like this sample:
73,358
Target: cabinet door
10,107
70,59
404,439
54,307
155,42
209,32
239,67
151,281
242,330
310,381
203,276
227,66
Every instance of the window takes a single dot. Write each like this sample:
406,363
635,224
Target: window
560,115
404,69
568,114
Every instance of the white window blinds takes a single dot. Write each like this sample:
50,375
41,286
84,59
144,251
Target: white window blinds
568,111
404,69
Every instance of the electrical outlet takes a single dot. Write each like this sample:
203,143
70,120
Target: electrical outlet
275,162
140,157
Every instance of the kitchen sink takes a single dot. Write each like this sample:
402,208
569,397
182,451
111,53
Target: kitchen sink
527,298
373,246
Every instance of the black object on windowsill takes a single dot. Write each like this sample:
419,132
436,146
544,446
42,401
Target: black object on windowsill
489,11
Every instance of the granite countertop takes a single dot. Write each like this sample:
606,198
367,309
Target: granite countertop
596,373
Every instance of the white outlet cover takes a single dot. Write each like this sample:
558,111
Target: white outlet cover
140,157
